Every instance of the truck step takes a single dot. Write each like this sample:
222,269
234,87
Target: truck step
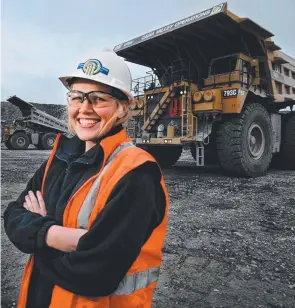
200,157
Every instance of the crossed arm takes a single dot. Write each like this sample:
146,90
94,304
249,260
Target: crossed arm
30,228
57,237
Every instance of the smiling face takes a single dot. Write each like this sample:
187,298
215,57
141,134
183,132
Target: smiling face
88,121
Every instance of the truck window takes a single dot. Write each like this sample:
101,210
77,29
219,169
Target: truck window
222,66
245,66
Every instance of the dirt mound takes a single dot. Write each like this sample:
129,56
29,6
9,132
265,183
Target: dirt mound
10,112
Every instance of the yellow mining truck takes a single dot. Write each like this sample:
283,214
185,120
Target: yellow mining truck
217,85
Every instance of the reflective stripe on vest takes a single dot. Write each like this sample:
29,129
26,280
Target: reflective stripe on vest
140,280
89,201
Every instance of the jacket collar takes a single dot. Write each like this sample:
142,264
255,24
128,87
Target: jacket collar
109,144
73,149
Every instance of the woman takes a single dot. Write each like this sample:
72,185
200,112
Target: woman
94,215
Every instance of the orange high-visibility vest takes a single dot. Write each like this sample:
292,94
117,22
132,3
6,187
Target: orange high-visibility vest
136,288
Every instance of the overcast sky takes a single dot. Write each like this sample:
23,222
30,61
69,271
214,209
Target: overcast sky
42,40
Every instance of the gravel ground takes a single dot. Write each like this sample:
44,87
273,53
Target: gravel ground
230,242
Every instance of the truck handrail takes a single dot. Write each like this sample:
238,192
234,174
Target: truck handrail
158,89
147,82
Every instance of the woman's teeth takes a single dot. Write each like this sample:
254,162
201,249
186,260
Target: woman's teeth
88,123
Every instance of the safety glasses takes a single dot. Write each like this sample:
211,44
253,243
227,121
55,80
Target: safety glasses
96,98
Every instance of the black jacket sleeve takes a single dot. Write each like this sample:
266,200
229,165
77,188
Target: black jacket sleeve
25,229
104,254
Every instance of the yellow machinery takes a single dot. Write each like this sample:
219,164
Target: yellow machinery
217,85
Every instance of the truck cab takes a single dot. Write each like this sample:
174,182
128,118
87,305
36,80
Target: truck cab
236,69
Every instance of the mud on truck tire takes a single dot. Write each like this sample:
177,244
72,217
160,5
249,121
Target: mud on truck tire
244,143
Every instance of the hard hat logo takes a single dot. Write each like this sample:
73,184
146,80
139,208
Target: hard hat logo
93,67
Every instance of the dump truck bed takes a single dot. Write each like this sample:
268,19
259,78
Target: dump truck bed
34,116
201,37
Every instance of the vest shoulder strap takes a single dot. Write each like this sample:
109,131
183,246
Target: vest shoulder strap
89,201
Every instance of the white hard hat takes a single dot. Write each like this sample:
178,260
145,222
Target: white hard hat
106,68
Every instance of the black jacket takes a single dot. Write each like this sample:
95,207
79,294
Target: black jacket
134,209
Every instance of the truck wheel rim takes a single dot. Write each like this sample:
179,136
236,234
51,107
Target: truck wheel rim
50,141
20,141
256,141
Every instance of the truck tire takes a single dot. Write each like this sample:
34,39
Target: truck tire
19,141
7,144
286,158
244,143
47,141
166,156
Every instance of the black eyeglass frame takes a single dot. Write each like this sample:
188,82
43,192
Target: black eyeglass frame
85,95
117,95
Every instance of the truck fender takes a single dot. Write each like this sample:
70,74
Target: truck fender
244,95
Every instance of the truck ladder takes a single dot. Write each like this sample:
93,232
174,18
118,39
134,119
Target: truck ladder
187,117
131,128
158,110
200,156
161,105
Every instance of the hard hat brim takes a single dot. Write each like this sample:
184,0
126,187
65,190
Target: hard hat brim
65,81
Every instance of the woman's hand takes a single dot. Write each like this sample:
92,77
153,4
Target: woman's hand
35,204
64,239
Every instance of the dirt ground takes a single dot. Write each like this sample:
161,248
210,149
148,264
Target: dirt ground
230,242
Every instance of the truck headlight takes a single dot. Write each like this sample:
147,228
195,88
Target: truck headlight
140,103
161,128
197,97
208,95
